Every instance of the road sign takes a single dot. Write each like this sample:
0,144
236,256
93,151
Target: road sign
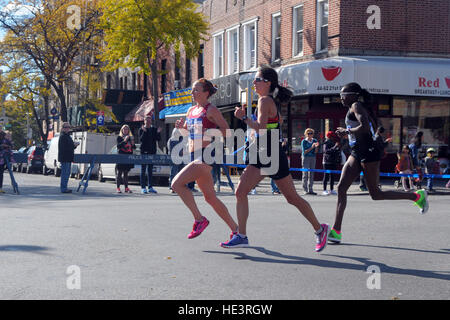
53,111
100,118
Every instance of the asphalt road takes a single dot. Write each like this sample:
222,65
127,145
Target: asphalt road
103,245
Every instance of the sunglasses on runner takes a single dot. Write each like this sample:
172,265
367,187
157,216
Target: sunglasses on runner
258,79
344,94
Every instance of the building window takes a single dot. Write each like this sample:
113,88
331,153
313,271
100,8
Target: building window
108,81
139,86
133,81
297,31
177,67
233,50
188,73
177,71
276,37
200,62
218,55
250,45
429,115
163,76
322,25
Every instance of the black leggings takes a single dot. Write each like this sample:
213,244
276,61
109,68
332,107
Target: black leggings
327,176
122,180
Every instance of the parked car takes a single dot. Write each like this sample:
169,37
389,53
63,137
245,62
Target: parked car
160,173
18,166
35,161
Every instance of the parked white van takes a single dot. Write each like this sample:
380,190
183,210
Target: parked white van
89,143
51,163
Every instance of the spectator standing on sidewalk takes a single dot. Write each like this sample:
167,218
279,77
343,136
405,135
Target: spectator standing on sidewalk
5,151
66,148
331,159
309,150
148,136
431,167
125,145
405,166
414,148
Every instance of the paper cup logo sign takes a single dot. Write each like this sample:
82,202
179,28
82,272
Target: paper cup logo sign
331,72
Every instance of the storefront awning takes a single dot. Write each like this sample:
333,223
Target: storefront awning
178,110
379,75
142,110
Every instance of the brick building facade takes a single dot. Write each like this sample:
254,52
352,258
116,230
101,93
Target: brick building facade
396,49
399,50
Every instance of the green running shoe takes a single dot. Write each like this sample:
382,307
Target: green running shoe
422,202
335,236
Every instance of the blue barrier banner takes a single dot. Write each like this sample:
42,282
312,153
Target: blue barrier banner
382,174
163,159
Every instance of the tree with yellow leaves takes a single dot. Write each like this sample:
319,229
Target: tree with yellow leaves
50,37
136,33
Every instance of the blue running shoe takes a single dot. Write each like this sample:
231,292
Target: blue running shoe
236,242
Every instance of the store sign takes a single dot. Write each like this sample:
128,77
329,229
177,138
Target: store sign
227,90
178,97
326,76
394,76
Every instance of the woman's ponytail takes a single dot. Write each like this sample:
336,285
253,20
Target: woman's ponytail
282,94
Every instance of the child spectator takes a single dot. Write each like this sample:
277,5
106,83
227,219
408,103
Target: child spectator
405,166
431,167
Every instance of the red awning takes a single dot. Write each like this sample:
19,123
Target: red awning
143,109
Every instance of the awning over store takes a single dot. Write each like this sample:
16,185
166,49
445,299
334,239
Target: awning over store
177,103
175,110
379,75
143,109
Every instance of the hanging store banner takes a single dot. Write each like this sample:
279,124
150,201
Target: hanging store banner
379,75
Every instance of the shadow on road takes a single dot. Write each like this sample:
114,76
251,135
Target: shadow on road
362,264
24,248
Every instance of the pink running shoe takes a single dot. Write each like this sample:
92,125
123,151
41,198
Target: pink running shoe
322,238
198,228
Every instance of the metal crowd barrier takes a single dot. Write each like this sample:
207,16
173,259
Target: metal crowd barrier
158,159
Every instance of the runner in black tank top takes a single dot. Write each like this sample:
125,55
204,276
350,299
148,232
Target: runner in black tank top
283,163
361,123
266,84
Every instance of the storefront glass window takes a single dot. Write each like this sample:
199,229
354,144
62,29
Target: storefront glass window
431,116
299,107
391,130
298,132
